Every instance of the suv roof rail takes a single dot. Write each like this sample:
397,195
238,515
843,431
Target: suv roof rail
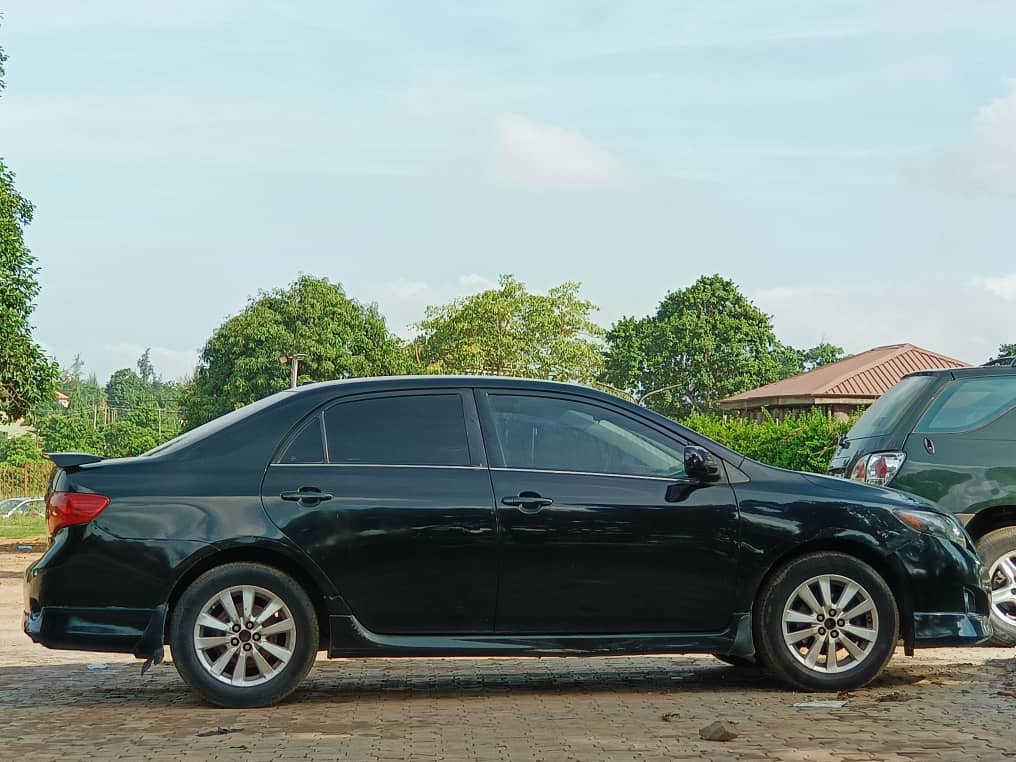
1005,362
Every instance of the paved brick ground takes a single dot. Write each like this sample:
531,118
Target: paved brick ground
942,705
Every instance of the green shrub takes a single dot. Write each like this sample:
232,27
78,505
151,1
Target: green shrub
17,451
802,442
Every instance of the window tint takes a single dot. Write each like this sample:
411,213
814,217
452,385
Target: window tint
416,430
568,435
970,403
890,408
307,446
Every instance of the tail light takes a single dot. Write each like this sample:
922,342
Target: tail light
879,468
66,508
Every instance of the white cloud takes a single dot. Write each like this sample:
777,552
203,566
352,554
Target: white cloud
404,288
531,154
967,322
1003,286
470,284
988,161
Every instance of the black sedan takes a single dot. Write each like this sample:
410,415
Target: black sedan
446,516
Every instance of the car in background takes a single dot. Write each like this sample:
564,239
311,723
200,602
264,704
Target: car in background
22,506
444,516
950,436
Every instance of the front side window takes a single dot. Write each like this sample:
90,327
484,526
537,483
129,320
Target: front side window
969,404
556,434
403,430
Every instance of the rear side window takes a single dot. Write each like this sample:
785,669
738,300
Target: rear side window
404,430
969,404
889,409
307,447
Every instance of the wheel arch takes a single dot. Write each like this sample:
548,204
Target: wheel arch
990,519
894,576
255,554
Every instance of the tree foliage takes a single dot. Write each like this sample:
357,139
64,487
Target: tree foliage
17,451
705,342
339,337
1006,350
510,331
27,376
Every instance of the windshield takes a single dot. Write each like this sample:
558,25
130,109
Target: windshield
890,408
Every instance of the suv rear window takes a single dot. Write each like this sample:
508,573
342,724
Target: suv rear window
890,408
969,403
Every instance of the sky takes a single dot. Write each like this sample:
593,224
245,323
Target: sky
850,165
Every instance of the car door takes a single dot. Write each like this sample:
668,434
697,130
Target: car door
589,541
389,494
962,453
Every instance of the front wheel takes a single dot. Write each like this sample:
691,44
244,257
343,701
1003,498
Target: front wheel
826,622
998,551
244,635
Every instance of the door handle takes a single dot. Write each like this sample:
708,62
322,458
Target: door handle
306,495
528,502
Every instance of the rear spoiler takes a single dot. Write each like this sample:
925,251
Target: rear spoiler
72,459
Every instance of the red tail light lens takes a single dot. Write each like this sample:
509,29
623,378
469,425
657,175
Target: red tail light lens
66,508
878,468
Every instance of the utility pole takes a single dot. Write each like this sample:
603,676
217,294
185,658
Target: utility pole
294,367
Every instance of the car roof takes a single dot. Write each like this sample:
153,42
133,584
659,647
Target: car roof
381,383
974,372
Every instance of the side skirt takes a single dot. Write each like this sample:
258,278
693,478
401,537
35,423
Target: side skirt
350,639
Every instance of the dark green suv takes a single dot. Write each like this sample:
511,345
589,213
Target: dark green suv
950,436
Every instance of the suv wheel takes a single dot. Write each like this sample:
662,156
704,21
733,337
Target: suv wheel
998,551
826,622
244,635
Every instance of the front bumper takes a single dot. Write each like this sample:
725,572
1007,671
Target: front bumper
933,630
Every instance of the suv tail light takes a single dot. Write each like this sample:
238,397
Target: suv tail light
66,508
879,468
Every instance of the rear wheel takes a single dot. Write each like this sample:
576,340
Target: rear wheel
826,622
244,635
998,551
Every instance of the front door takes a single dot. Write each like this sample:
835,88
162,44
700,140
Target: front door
590,542
389,495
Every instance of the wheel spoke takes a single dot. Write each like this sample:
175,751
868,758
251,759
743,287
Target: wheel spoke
226,599
222,661
861,608
846,596
284,625
831,664
826,592
809,599
853,648
268,611
1008,568
240,670
206,620
1003,595
797,637
796,617
248,604
280,653
814,652
263,666
862,632
205,643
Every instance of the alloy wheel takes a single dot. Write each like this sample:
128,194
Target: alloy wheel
244,636
1003,587
830,624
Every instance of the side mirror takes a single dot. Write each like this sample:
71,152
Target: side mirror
700,465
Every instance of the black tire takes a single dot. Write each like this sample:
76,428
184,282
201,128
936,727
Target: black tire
992,548
787,662
737,661
301,641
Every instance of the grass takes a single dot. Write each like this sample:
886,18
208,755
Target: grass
22,528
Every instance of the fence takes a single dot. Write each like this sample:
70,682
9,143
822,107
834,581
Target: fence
29,480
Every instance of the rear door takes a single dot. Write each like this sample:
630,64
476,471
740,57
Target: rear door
962,453
389,494
590,542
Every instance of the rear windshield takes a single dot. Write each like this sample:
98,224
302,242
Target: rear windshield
890,408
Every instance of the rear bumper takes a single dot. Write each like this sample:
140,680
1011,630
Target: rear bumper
932,630
132,631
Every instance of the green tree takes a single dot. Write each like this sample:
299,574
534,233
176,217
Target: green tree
27,376
1007,350
70,433
17,451
145,369
821,354
339,337
510,331
126,390
126,438
705,342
